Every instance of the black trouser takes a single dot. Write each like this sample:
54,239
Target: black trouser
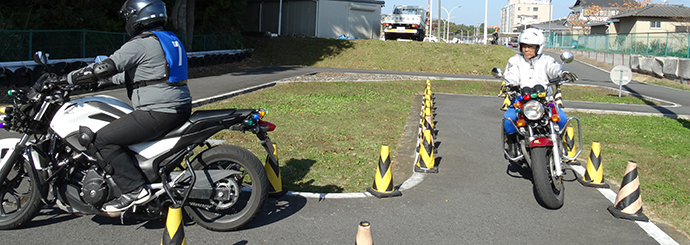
136,127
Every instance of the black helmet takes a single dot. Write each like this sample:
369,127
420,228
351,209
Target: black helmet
142,15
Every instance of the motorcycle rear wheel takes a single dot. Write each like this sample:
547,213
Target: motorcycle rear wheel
549,190
252,182
20,200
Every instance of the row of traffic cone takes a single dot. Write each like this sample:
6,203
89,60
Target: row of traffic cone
383,181
426,162
628,203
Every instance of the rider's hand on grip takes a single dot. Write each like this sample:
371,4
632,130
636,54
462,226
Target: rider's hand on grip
569,76
93,86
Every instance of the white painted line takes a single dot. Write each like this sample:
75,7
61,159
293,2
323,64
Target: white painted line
652,230
329,195
230,94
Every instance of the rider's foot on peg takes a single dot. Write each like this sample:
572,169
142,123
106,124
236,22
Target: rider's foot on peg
127,200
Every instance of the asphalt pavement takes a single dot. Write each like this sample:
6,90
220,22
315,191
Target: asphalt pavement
476,198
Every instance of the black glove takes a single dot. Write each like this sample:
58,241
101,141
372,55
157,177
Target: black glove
93,86
569,76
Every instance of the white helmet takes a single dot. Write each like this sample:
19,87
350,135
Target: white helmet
532,36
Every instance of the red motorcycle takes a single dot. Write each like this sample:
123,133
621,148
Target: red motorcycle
540,139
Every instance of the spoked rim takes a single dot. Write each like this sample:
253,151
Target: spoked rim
556,181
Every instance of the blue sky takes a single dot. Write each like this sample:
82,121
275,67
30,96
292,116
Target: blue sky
472,11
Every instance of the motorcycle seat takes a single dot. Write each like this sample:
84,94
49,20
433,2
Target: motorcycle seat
199,117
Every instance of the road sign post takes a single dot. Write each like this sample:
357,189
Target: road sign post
621,75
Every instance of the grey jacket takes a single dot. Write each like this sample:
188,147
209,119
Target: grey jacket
142,59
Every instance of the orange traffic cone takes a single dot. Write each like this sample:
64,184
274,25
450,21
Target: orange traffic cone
629,202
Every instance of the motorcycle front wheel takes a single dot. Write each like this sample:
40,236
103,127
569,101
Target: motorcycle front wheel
20,200
549,187
250,187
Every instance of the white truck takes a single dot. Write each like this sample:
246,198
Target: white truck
406,22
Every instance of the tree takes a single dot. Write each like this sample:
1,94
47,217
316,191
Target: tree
590,13
593,13
182,18
60,15
630,5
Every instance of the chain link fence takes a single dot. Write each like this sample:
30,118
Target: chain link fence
19,45
652,44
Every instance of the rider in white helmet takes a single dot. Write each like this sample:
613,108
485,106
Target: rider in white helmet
527,69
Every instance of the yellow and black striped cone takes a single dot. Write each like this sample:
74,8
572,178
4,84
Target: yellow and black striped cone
569,143
426,163
174,228
629,202
275,189
506,100
383,181
506,103
364,234
427,89
594,171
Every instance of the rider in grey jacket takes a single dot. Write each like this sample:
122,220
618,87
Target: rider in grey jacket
153,67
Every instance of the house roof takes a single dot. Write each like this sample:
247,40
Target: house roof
657,10
600,3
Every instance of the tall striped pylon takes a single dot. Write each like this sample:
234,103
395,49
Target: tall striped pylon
506,100
275,189
383,181
629,202
569,142
364,234
427,89
174,228
426,163
594,171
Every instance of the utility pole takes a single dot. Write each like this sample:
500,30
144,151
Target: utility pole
439,19
486,11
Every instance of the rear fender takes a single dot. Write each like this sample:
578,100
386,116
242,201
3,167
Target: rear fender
541,142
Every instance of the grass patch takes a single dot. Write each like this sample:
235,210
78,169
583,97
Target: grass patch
659,146
378,55
329,135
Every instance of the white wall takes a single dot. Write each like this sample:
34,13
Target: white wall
352,19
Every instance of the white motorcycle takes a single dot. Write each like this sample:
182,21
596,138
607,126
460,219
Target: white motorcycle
221,188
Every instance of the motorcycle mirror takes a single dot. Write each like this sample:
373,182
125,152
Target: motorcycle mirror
497,72
567,57
41,58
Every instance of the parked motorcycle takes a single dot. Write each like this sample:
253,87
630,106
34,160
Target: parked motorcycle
540,140
221,187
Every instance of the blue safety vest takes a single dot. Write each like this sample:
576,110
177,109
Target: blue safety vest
174,54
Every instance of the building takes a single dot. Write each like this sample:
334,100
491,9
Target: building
315,18
652,18
518,13
586,12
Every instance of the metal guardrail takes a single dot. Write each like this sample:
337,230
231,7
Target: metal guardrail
25,73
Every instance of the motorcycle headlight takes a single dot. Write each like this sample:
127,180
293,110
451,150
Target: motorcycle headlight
533,110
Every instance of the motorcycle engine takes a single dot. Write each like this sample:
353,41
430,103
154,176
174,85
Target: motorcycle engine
94,190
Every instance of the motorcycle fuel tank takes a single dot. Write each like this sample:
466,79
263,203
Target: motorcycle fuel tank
93,112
